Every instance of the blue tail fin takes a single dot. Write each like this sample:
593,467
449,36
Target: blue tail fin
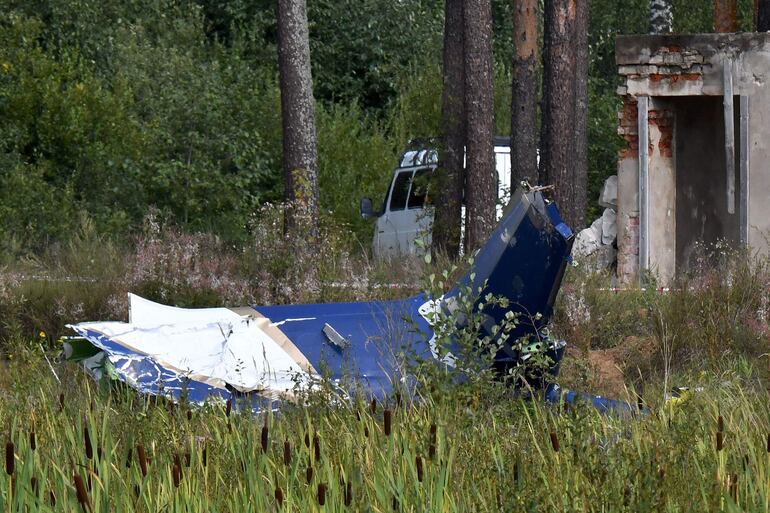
523,260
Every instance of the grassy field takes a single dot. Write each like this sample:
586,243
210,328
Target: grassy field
72,446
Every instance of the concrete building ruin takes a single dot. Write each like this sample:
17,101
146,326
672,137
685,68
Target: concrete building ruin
700,107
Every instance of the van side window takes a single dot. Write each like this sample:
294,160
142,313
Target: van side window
400,190
419,192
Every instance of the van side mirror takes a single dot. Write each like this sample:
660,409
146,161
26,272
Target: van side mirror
366,209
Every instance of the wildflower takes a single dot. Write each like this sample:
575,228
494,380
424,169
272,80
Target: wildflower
41,334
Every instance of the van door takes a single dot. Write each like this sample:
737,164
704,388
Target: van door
405,217
387,243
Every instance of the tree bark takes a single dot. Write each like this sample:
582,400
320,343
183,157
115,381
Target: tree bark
446,229
580,169
298,111
557,137
763,15
525,90
725,15
661,17
481,176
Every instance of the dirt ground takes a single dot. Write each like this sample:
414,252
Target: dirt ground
607,372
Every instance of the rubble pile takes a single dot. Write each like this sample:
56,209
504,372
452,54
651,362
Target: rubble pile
598,240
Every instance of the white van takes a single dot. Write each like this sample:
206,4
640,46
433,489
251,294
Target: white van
407,211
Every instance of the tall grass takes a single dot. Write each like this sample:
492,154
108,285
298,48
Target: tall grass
492,452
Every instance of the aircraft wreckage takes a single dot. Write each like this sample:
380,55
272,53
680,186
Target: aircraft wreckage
264,353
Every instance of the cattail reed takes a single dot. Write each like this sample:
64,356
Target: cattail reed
366,431
33,485
32,439
433,431
418,463
265,434
80,491
229,427
205,456
142,459
348,493
554,442
768,442
61,401
720,424
10,460
228,407
87,443
177,475
373,406
189,415
129,455
317,447
720,440
307,439
516,471
387,422
309,474
279,496
734,487
321,494
286,453
177,460
432,452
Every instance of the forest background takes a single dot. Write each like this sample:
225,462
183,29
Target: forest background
112,109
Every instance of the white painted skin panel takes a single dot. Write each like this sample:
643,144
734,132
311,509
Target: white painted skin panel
215,343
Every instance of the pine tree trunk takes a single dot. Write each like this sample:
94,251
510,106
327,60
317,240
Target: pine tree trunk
580,169
557,137
763,15
661,17
446,230
725,15
524,97
481,176
298,112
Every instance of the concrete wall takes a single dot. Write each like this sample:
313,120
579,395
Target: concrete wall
662,175
759,166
